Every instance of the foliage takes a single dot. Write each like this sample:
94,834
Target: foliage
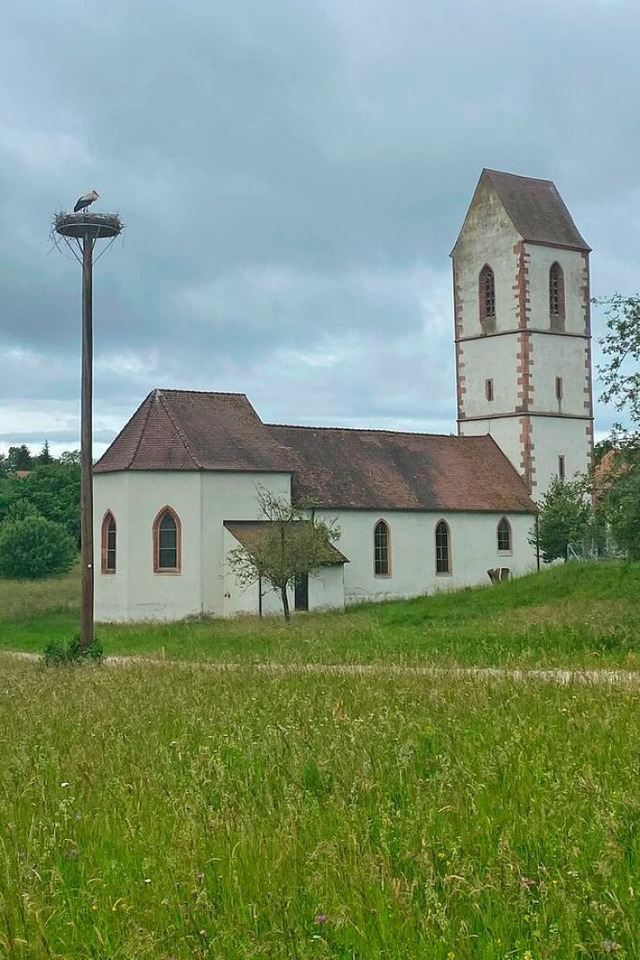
619,499
32,548
52,489
295,542
58,653
19,458
564,516
620,374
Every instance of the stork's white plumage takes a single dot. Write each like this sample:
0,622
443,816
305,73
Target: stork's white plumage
86,201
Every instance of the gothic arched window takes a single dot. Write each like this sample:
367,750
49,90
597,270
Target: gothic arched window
504,536
381,550
167,545
443,556
108,544
487,297
556,297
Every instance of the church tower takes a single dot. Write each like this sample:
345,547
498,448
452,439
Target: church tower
523,329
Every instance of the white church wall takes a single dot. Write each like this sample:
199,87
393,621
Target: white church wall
202,501
473,546
576,286
326,588
488,237
112,589
553,438
230,496
564,357
492,358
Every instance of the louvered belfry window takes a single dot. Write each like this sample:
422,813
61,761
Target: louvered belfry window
487,293
556,294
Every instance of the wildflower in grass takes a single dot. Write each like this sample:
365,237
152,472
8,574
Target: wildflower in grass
65,783
527,955
610,946
321,918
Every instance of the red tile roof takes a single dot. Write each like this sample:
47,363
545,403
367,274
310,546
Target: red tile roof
332,467
385,470
251,534
536,209
188,430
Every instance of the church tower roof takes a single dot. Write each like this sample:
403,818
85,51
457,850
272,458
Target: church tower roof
535,208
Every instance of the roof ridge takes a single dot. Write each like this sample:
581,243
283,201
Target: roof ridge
201,393
518,176
178,429
141,432
395,433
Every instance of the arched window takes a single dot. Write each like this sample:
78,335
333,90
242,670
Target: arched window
167,545
108,544
443,557
381,550
504,536
556,297
487,299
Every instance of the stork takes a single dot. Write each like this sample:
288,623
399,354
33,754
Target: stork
86,201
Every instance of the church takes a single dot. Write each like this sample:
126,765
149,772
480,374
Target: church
179,487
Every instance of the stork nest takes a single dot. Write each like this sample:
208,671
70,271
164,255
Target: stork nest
96,225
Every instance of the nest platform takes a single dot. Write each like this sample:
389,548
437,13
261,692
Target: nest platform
94,226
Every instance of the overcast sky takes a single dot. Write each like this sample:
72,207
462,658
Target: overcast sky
292,175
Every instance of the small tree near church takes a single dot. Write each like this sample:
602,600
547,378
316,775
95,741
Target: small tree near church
294,542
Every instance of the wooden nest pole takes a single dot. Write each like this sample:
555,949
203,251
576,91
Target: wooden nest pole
81,232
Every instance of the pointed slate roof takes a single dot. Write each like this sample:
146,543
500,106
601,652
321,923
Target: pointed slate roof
189,430
535,208
383,470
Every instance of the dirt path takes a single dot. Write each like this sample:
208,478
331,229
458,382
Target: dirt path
628,678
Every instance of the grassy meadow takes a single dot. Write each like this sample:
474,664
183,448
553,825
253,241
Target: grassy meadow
156,811
579,616
159,810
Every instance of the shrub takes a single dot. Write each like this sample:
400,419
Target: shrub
32,548
57,652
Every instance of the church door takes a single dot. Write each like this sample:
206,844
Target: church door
301,591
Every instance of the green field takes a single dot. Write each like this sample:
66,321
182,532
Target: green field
251,808
580,616
174,812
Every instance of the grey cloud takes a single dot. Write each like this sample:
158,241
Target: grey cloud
292,177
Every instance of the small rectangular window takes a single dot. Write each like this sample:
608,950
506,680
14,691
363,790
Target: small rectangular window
561,467
488,389
559,388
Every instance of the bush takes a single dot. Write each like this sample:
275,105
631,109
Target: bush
57,652
32,548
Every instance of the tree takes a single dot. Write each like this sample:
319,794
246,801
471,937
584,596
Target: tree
564,517
54,490
620,374
44,457
19,458
618,496
293,542
32,548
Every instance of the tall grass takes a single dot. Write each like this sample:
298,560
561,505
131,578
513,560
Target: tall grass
574,616
157,812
